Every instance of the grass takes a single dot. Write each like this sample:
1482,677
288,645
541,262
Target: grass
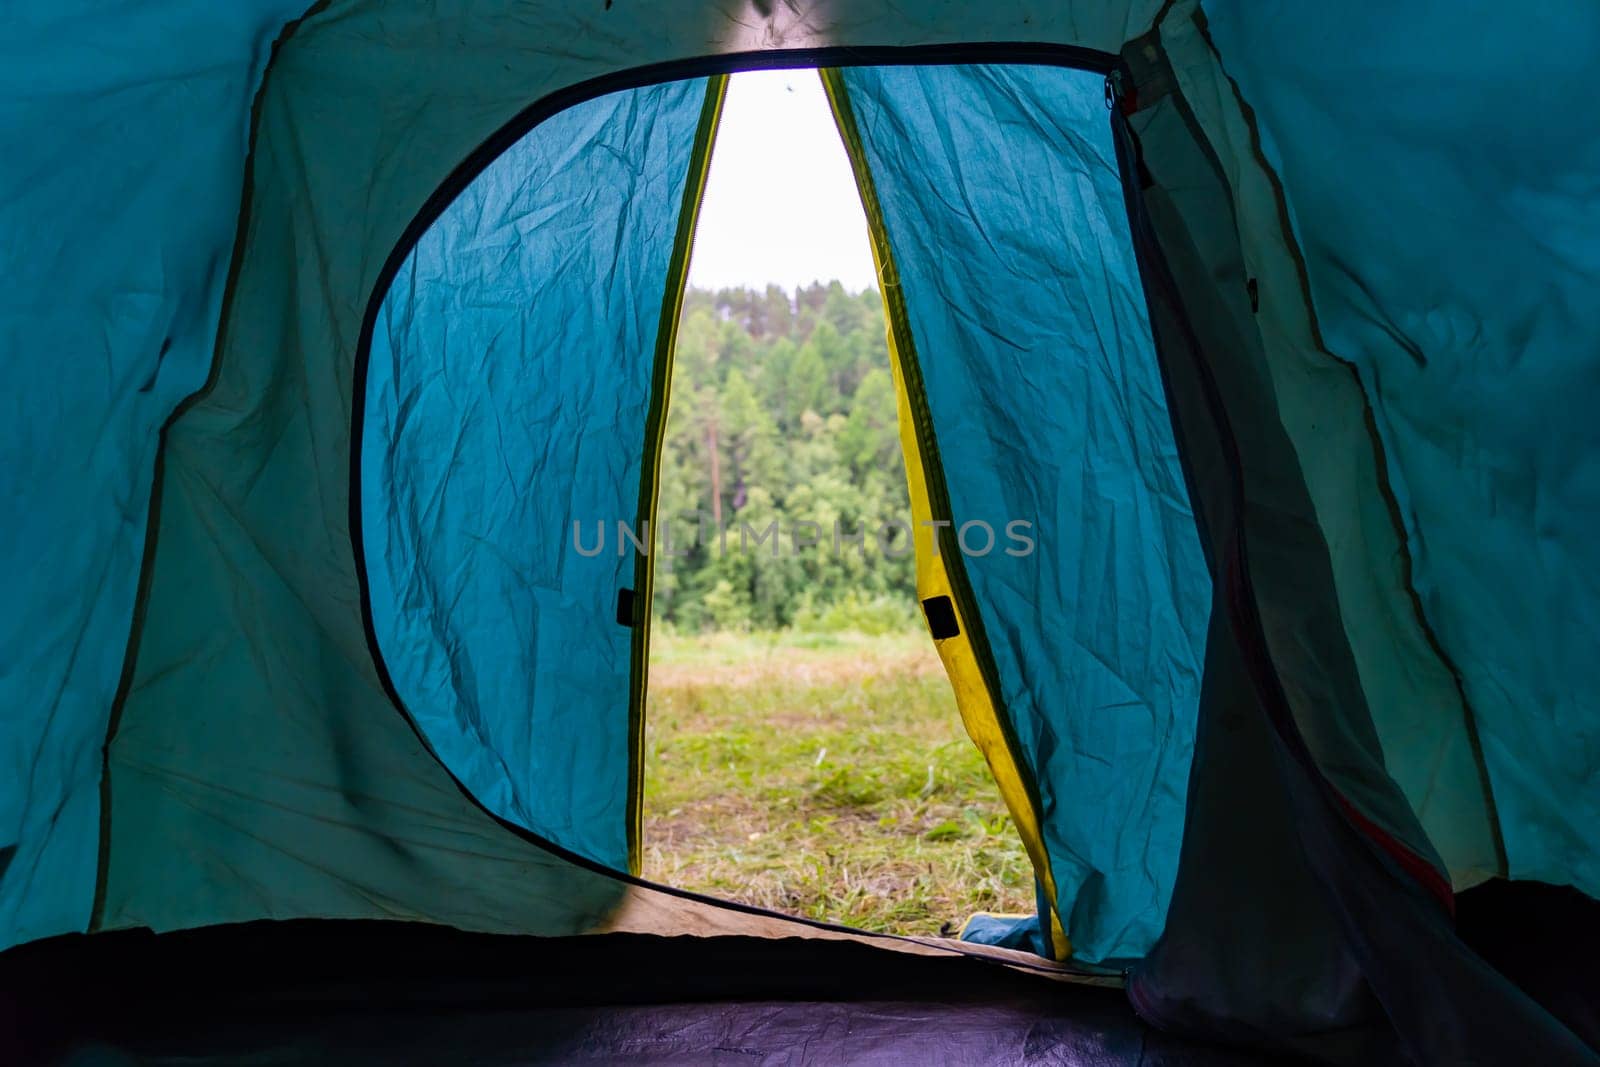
826,776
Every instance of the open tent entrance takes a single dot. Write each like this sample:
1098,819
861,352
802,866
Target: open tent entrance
804,751
518,402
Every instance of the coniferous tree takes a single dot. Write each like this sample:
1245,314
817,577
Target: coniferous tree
782,422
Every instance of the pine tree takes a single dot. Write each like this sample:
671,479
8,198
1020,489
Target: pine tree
782,412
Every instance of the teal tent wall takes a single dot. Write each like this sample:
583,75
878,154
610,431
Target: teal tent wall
258,768
1452,246
507,392
1003,205
124,137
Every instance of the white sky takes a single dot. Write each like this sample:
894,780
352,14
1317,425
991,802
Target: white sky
781,205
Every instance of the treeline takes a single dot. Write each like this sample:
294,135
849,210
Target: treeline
783,412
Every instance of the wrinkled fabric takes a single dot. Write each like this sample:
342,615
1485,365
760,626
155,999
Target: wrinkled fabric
1379,707
1006,931
261,771
507,393
254,669
1445,203
123,136
1003,206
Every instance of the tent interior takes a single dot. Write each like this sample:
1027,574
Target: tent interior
327,731
477,414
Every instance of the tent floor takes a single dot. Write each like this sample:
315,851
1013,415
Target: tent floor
348,992
400,993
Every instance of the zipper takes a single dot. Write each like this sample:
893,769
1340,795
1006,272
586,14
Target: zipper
1113,88
650,468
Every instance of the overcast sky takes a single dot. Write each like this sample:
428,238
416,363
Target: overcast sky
781,205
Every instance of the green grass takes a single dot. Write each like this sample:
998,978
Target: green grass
823,775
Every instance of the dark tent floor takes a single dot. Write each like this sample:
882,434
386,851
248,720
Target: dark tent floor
401,993
398,993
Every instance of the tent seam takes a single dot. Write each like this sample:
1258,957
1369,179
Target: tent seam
141,597
1369,420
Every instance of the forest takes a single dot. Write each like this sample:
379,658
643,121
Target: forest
782,411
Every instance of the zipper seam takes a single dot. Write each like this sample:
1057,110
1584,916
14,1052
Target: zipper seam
655,440
940,510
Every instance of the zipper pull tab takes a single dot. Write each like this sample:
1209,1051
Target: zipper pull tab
1113,89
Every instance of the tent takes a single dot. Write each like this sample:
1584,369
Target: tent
325,325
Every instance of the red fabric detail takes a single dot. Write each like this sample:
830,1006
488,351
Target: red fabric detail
1424,872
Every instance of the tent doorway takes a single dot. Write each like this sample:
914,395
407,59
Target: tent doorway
804,751
511,416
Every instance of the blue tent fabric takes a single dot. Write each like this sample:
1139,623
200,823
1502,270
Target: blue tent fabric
1003,205
507,390
1006,931
124,142
1397,202
1473,340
